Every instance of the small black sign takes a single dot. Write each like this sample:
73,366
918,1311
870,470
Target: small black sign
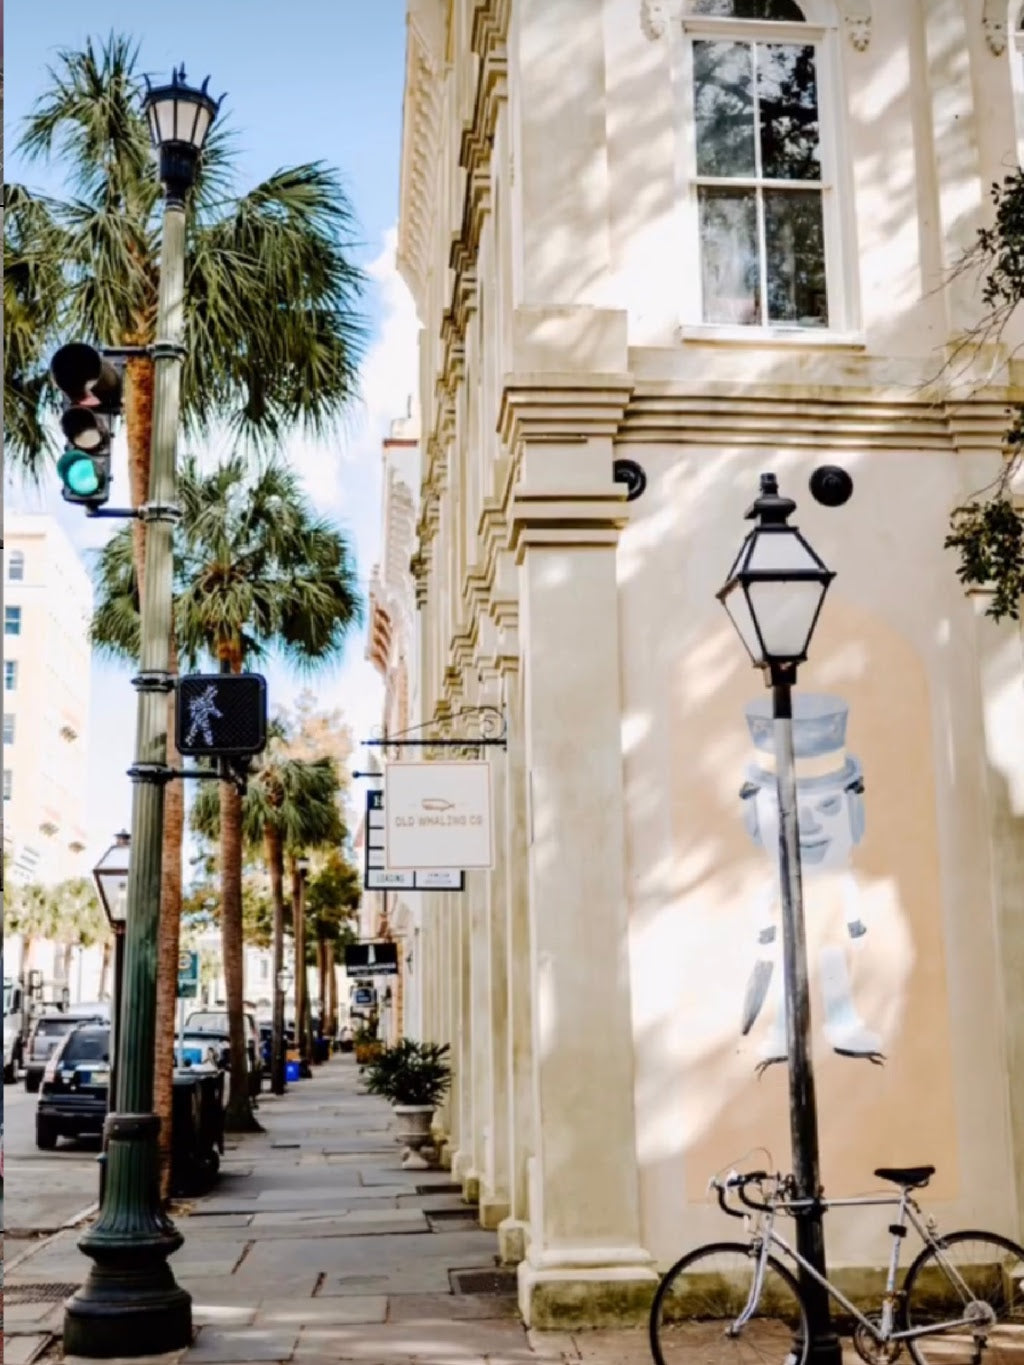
221,715
371,959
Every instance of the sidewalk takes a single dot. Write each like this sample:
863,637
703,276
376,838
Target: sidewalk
316,1247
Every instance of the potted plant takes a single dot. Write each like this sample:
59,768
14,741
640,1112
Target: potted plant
367,1046
414,1077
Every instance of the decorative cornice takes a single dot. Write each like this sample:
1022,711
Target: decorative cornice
420,133
547,407
857,18
993,21
656,15
715,414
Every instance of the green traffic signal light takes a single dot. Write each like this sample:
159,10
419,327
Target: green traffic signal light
83,477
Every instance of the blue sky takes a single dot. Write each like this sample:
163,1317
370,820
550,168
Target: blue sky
305,81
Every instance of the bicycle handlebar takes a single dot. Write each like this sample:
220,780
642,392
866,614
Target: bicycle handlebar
739,1183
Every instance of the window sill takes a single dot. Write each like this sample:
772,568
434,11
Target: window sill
810,337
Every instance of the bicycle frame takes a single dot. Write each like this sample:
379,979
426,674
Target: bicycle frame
908,1210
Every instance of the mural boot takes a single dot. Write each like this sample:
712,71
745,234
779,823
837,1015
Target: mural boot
775,1047
845,1030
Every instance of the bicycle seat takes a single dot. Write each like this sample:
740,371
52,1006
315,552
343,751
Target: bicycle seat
913,1177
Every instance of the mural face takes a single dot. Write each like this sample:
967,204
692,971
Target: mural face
830,810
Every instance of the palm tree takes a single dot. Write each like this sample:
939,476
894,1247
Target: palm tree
289,804
273,329
332,898
254,569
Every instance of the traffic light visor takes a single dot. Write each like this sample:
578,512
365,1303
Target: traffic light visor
84,375
85,428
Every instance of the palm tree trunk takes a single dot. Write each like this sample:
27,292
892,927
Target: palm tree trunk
298,925
138,421
238,1117
332,990
168,945
321,966
275,866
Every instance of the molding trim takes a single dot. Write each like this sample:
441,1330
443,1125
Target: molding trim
993,21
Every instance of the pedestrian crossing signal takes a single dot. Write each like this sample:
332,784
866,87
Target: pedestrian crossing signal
221,715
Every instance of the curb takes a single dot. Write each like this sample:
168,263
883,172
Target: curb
72,1222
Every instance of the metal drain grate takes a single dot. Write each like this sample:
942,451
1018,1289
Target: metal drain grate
467,1213
483,1281
439,1189
38,1293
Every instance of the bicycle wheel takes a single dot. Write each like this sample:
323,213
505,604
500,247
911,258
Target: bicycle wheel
988,1287
703,1295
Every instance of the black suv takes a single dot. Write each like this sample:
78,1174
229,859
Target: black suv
73,1099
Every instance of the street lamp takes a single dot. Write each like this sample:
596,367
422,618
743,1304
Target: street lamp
774,595
130,1304
111,877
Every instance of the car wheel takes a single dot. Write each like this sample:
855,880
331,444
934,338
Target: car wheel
33,1080
46,1135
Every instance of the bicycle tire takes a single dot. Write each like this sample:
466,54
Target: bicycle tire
779,1336
993,1267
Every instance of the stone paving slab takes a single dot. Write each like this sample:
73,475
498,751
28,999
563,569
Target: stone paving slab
343,1223
451,1307
168,1358
231,1291
365,1308
456,1342
23,1350
241,1346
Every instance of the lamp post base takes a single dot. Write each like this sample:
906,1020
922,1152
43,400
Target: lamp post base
122,1312
130,1305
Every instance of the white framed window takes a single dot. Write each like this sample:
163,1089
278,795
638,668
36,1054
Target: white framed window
8,727
1017,71
760,150
10,675
16,566
8,784
12,620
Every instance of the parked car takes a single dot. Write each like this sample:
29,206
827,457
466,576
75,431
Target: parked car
47,1032
73,1098
209,1022
203,1048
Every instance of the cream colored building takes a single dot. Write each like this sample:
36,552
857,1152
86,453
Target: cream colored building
716,246
392,646
47,611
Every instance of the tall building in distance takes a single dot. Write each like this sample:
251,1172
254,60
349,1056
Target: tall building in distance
47,609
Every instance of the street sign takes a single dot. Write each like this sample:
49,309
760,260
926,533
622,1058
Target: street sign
188,975
377,876
221,715
371,959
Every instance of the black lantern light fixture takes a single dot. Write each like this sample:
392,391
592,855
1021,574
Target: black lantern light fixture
111,877
776,587
179,117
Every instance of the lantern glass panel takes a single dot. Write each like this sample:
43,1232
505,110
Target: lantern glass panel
786,612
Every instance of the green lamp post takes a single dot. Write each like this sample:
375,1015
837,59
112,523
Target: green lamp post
130,1304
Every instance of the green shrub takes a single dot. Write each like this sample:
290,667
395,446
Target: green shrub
410,1072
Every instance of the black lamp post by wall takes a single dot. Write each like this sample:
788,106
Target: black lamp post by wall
774,595
303,1025
130,1304
111,877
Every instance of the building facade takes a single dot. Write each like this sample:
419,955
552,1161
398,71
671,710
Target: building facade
392,646
47,611
713,238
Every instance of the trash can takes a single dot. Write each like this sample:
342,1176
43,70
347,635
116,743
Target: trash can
197,1129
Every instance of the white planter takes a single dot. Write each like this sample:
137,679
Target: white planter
413,1124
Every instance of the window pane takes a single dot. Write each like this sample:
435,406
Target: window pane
729,257
10,674
795,245
787,89
750,9
16,566
12,620
723,97
9,728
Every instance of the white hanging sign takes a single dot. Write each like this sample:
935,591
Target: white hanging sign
438,815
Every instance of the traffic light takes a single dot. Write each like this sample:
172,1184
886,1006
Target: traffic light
91,383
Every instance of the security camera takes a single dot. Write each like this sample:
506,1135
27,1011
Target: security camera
831,486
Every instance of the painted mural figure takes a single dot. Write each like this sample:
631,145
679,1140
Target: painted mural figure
830,803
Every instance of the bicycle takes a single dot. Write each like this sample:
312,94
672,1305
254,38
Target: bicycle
962,1300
